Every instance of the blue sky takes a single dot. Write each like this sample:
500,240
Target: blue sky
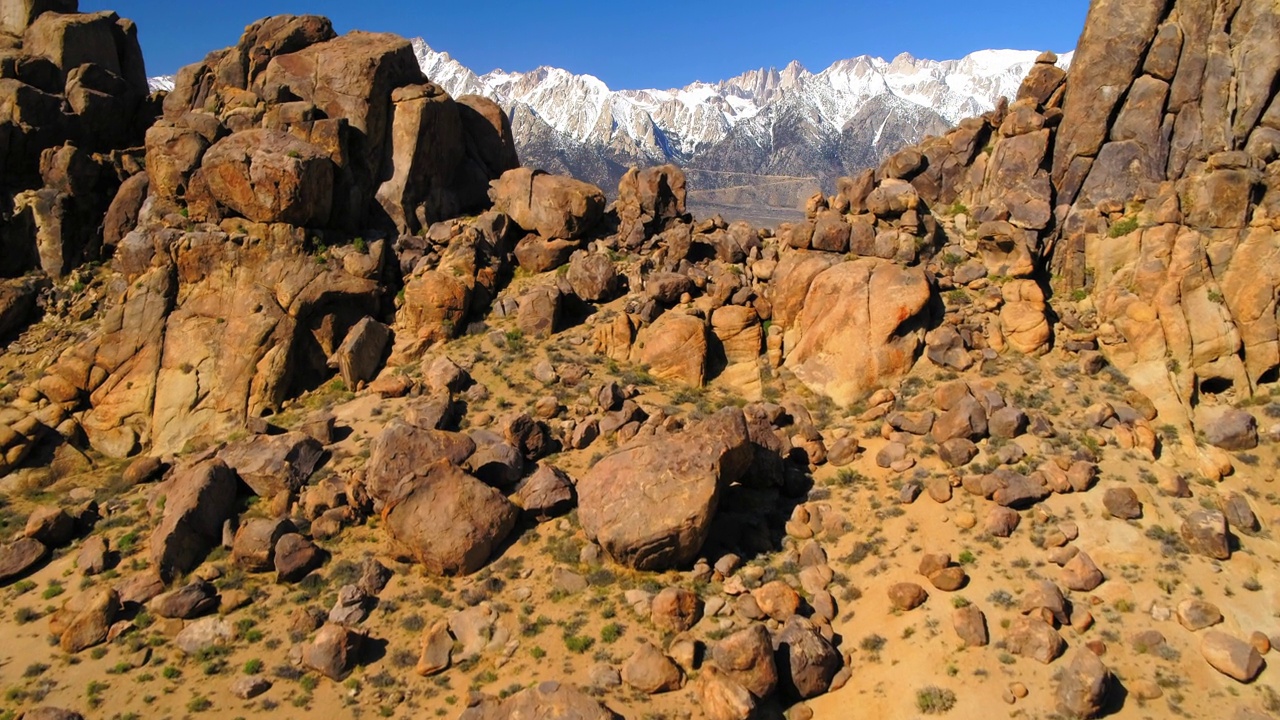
658,43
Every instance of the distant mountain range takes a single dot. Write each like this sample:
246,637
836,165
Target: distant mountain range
765,139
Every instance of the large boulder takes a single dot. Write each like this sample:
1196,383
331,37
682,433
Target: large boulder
271,176
675,348
747,657
360,355
443,155
554,206
85,620
350,77
449,521
1231,656
650,671
807,662
649,200
402,451
1205,532
198,499
272,464
861,326
20,557
334,651
650,504
189,601
70,40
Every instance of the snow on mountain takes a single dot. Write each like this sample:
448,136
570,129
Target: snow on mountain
770,136
162,82
683,122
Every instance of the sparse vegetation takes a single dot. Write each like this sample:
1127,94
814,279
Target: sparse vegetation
934,700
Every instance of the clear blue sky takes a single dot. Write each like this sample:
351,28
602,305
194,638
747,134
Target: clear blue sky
653,43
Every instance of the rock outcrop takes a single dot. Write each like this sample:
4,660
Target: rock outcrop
76,101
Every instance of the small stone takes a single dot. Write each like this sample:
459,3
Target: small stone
1081,574
247,688
676,609
1194,614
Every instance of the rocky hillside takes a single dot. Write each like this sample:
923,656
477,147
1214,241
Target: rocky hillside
355,414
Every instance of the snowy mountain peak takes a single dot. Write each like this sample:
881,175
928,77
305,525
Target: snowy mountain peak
784,123
699,115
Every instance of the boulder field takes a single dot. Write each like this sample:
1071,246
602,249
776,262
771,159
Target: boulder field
299,362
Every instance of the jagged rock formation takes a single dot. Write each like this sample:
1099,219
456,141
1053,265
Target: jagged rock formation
1142,180
267,152
75,97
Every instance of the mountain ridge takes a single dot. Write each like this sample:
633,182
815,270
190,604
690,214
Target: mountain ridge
766,121
764,126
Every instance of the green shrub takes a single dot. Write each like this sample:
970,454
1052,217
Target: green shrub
934,700
1123,227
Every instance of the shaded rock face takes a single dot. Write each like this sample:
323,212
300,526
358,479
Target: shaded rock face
861,325
198,499
75,94
650,504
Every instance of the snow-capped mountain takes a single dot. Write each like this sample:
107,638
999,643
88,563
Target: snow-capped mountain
765,137
788,125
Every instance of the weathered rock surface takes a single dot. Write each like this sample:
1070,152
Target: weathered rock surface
650,504
197,500
272,464
1231,656
449,521
845,348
